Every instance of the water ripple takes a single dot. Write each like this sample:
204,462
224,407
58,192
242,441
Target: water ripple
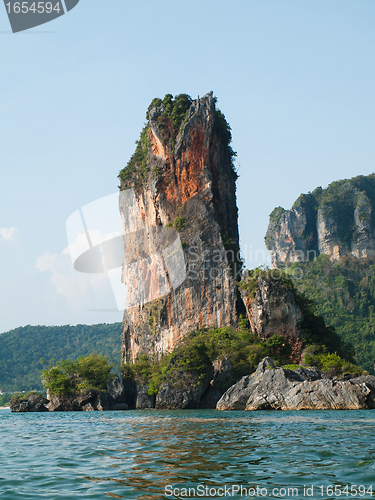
136,454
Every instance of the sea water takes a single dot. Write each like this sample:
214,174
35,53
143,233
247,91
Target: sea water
153,454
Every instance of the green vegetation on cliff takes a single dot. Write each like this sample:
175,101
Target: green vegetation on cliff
198,350
170,121
339,201
137,168
174,109
344,295
21,350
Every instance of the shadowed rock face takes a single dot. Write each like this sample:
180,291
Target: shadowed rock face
189,183
274,311
271,388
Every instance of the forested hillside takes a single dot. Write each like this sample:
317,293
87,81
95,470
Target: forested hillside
21,350
344,294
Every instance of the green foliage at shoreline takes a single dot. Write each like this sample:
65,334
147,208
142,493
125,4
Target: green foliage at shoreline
199,349
21,350
344,295
77,377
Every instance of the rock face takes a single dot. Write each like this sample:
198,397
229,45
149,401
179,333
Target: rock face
271,388
144,400
336,221
274,311
33,403
114,399
222,378
181,176
183,393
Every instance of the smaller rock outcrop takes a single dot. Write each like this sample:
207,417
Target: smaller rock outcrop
113,399
272,388
90,401
30,403
272,310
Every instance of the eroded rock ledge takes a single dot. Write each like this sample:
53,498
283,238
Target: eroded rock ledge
272,388
116,397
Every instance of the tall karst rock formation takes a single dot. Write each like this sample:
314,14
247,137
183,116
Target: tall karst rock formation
180,177
336,221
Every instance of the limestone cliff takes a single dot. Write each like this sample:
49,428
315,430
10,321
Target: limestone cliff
180,177
336,221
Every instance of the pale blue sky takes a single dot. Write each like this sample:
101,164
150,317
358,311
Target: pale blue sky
295,79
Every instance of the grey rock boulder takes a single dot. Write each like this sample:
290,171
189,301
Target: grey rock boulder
144,400
236,397
33,403
272,388
117,395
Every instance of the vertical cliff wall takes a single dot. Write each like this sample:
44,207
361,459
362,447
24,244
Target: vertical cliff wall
181,177
336,221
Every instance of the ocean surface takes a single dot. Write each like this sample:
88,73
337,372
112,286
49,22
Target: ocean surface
205,454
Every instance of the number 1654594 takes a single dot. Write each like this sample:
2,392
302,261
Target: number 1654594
34,7
353,490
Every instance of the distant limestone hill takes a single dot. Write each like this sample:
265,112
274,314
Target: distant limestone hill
22,348
337,221
344,295
327,241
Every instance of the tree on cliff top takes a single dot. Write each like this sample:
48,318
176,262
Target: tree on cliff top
76,377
